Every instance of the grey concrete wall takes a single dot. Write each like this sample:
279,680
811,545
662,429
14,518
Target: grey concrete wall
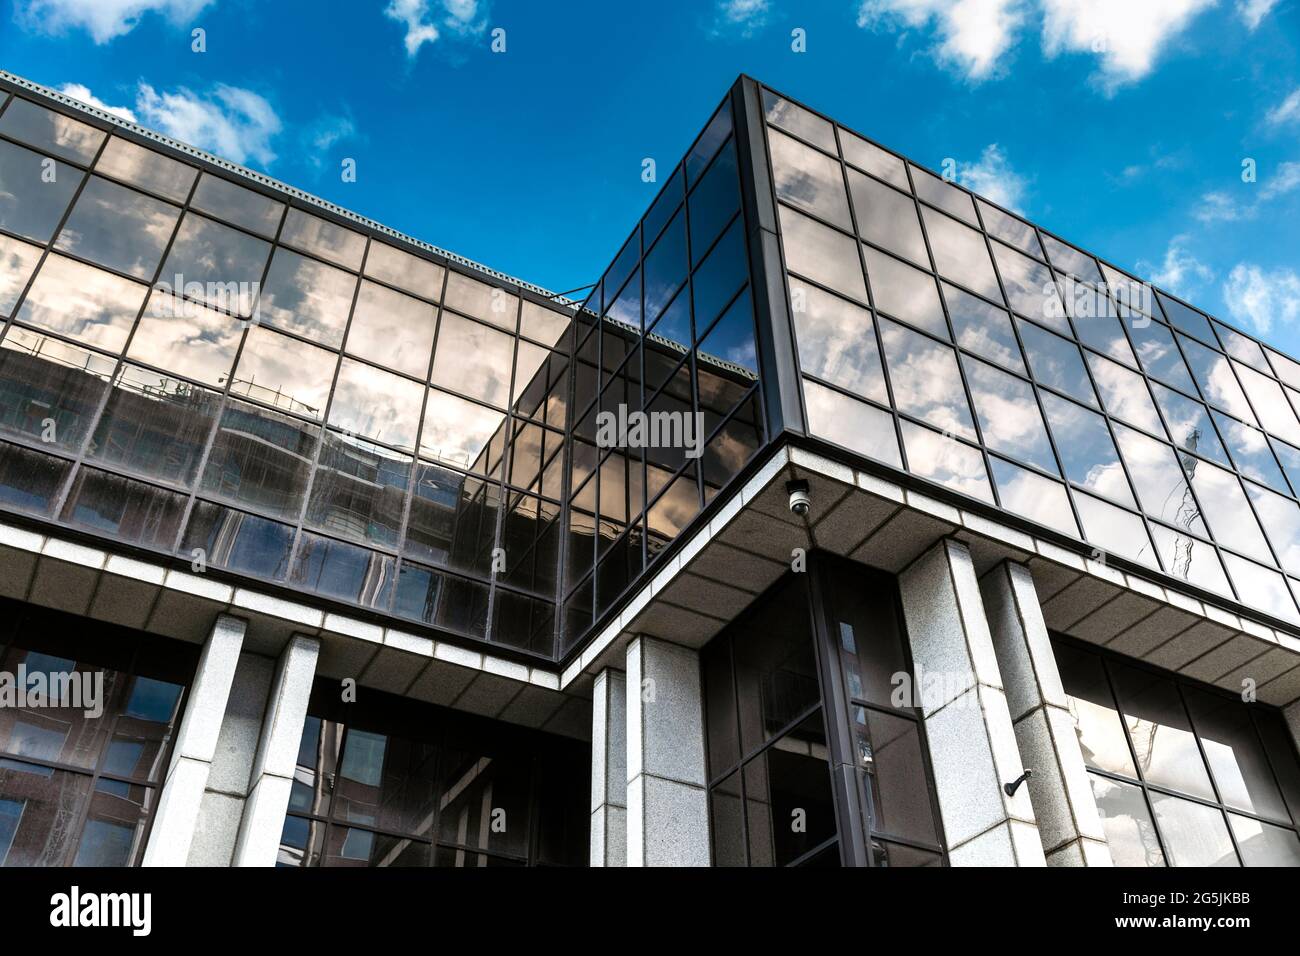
609,769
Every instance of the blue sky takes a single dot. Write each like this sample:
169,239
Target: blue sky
1122,125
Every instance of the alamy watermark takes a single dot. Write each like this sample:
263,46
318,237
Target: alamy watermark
39,689
182,298
620,428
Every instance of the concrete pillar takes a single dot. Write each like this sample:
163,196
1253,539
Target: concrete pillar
195,749
667,804
609,770
967,722
277,755
1064,806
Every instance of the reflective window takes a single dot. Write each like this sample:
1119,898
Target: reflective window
1216,380
1066,258
307,297
1008,415
1189,424
404,270
716,198
215,264
870,158
29,480
1269,403
473,360
1124,394
1190,559
837,341
887,218
325,239
261,459
1114,530
1161,486
482,301
707,144
720,277
808,179
187,338
983,328
820,253
376,404
1281,520
1126,820
665,269
1186,318
18,261
1194,834
795,119
128,511
1250,451
238,541
1030,288
359,490
926,380
285,373
235,204
946,461
31,202
457,431
142,167
1260,587
49,390
1009,229
1103,332
1087,451
861,427
392,330
961,255
1056,362
904,293
1159,354
944,194
119,228
83,303
1226,509
51,132
1032,496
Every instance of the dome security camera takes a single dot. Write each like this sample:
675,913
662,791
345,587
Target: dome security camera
800,500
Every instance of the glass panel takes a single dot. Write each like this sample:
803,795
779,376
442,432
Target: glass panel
904,293
457,432
392,329
983,328
944,194
837,341
1226,509
387,782
546,325
376,404
34,805
17,263
1186,318
790,780
118,228
479,787
1250,451
715,199
1032,496
808,179
83,303
215,264
1124,394
32,197
187,339
155,425
890,748
727,822
51,132
1261,588
1092,710
1161,486
482,301
115,825
237,205
1269,403
319,237
1189,424
795,119
1236,756
1194,835
870,158
1262,844
262,459
307,297
344,571
961,255
1102,331
1114,530
49,390
926,380
404,270
1010,229
1159,355
1166,749
142,167
359,490
1056,362
1127,822
453,519
719,277
820,253
664,208
1066,258
887,218
665,269
1030,288
1008,415
285,373
707,144
1190,559
1217,382
946,461
857,426
1087,451
237,541
474,360
126,510
29,480
1281,520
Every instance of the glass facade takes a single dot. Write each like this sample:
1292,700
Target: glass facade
1183,774
939,334
82,764
201,368
393,782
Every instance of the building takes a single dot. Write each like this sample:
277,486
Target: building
851,519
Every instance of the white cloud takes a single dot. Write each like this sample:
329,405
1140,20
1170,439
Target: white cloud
1180,271
1285,180
1221,207
745,16
1252,12
974,34
1127,35
102,19
1288,111
81,92
993,178
423,18
232,122
1260,298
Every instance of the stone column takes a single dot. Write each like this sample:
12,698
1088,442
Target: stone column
277,755
195,749
1064,806
609,770
667,804
967,722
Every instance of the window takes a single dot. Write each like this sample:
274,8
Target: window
1184,775
78,788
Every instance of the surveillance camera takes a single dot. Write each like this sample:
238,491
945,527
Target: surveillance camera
800,500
